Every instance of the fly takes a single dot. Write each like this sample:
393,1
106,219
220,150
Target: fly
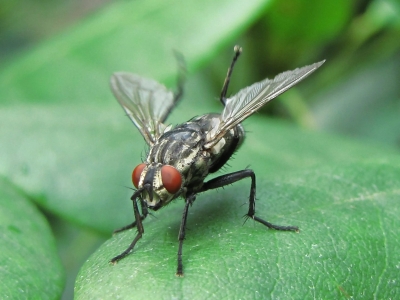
180,158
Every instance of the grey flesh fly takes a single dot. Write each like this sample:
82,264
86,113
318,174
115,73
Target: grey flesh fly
181,157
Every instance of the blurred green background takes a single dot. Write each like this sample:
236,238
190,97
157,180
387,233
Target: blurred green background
57,111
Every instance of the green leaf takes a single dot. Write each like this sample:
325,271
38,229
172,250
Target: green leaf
30,267
137,36
347,212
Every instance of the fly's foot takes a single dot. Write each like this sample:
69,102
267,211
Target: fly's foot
276,227
179,274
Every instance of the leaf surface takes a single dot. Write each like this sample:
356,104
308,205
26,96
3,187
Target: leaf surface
30,267
347,247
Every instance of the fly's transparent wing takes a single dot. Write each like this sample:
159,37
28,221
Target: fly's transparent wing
145,101
250,99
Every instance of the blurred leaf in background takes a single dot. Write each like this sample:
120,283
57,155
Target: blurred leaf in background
66,145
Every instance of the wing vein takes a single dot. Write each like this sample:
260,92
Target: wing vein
250,99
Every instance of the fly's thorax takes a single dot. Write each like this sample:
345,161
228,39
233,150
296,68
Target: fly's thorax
177,147
182,148
159,183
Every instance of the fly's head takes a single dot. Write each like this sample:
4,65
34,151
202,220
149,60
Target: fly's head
157,183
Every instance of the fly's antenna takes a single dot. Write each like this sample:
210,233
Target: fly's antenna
237,49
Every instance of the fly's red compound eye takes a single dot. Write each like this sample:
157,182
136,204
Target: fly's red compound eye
136,174
171,179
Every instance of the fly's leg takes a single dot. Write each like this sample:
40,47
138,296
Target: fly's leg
139,225
237,51
236,176
189,200
133,224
